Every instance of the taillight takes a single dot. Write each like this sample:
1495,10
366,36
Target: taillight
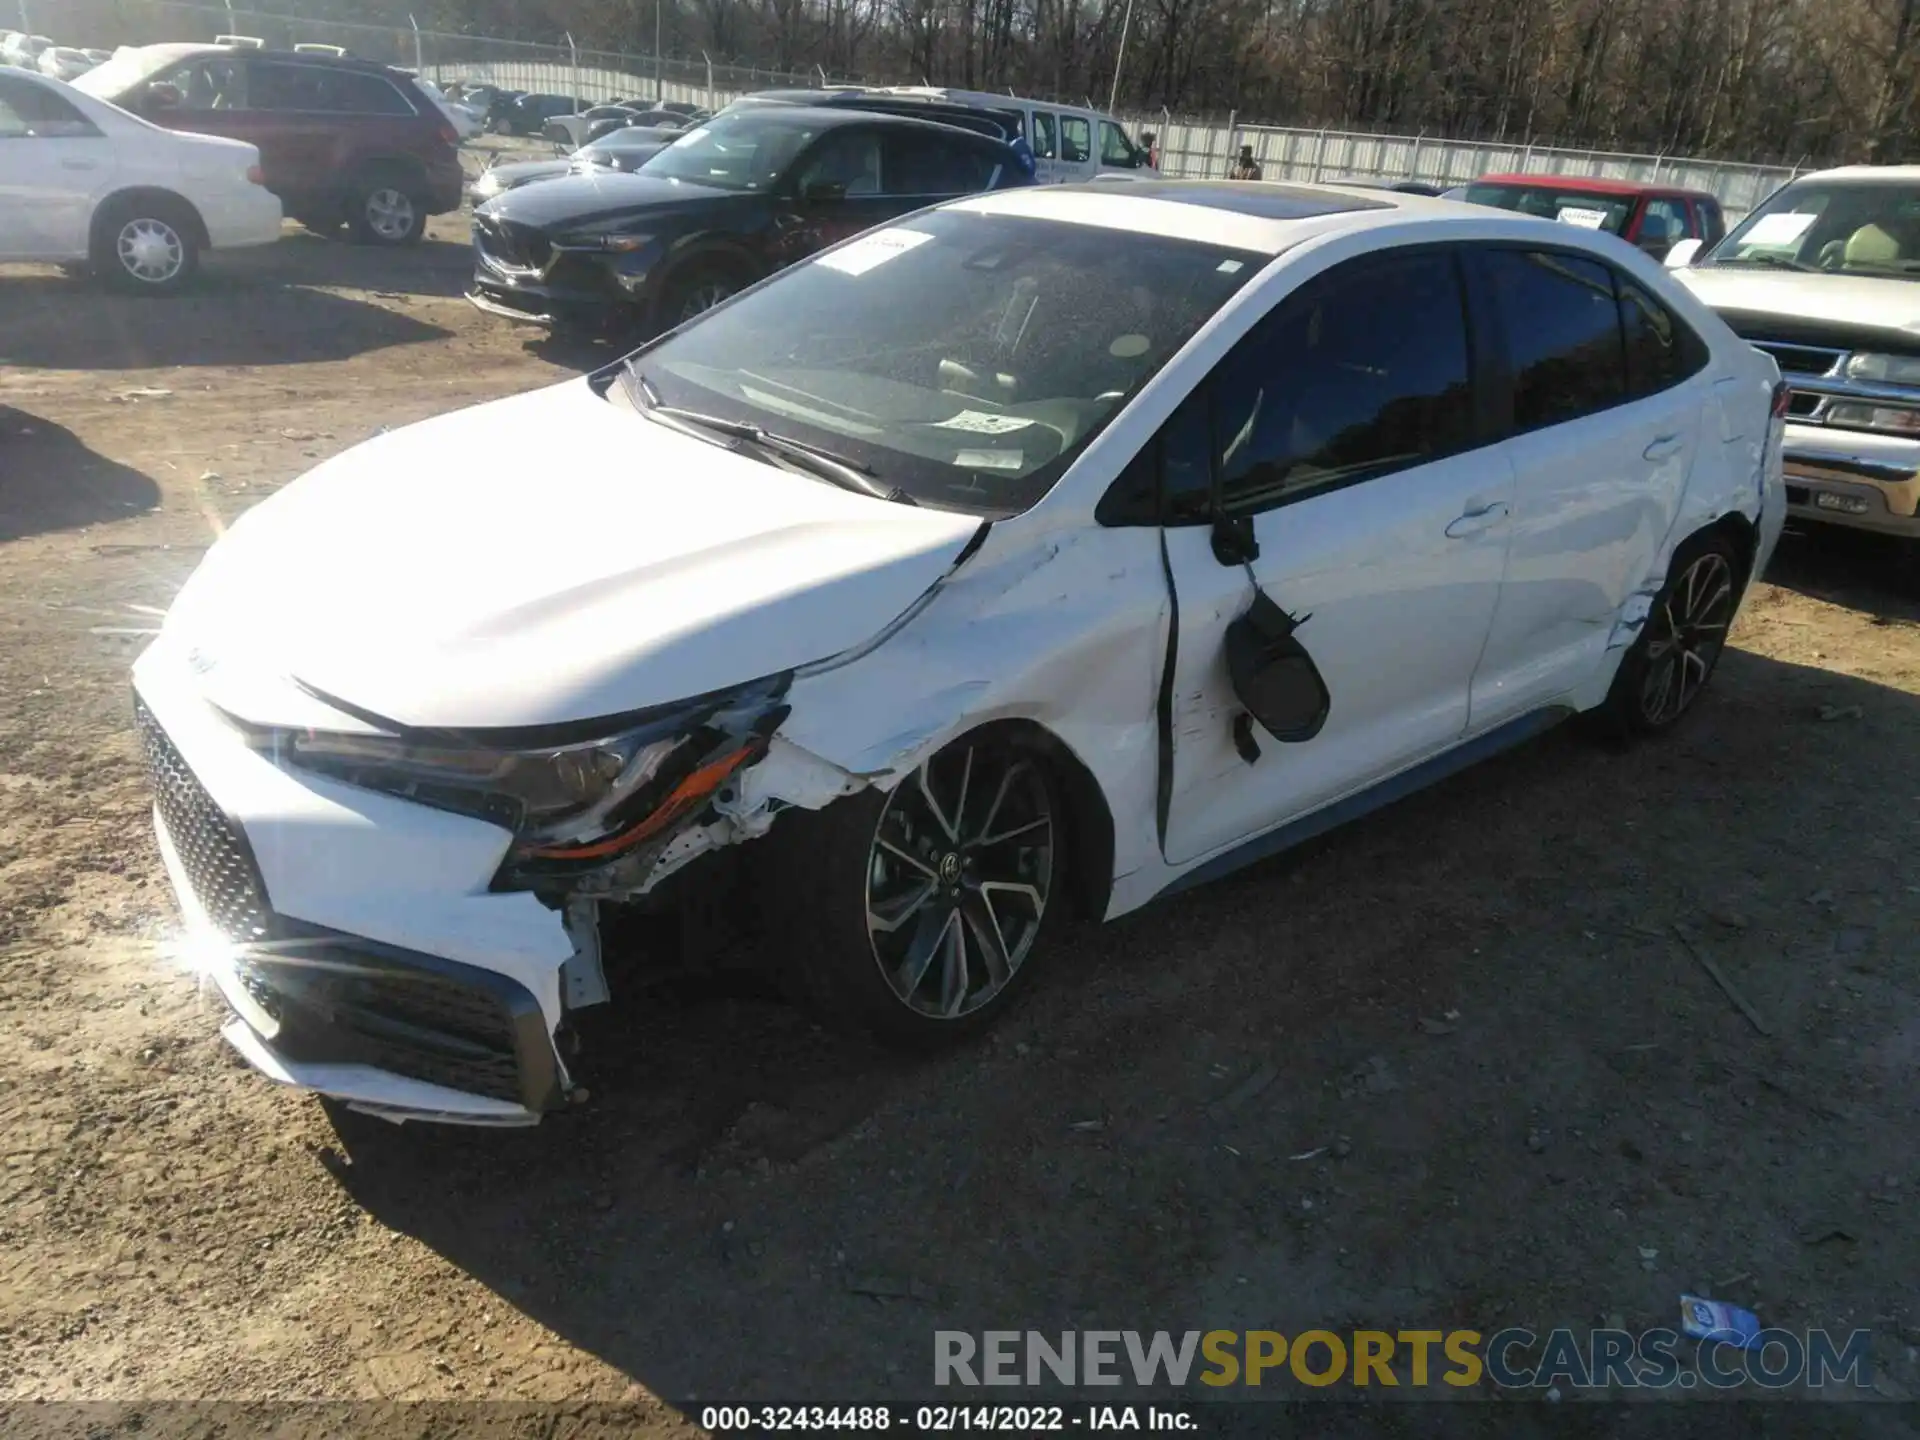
449,134
256,175
1782,398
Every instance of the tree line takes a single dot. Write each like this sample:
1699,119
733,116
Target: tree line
1795,81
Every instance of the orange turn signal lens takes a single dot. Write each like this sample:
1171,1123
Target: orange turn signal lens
684,797
256,175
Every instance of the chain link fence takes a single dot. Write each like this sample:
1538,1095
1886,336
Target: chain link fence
1189,148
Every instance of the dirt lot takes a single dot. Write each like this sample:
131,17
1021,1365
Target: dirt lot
1531,1104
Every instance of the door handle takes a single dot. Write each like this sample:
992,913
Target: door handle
79,165
1665,448
1474,521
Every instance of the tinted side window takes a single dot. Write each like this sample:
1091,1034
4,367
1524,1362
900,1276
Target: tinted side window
1665,222
33,112
1076,139
1364,372
1042,135
1114,147
211,85
1661,349
1562,332
319,89
928,165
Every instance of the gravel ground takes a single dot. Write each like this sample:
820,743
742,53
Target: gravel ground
1521,1097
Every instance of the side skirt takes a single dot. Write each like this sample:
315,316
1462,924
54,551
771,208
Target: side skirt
1364,802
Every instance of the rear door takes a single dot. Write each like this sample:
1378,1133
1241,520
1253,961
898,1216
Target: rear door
1076,147
54,163
919,168
1605,389
1046,147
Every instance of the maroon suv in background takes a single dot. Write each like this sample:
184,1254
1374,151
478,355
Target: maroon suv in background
341,141
1654,217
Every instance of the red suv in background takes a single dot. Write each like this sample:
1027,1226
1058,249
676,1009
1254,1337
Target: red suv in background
1654,217
341,140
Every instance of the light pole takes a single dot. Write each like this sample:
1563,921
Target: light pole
1125,21
659,88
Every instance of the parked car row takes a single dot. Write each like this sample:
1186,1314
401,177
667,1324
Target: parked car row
21,51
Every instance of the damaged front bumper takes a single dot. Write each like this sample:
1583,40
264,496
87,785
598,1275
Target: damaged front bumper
361,939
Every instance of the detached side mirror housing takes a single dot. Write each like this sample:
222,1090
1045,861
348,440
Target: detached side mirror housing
1681,255
162,96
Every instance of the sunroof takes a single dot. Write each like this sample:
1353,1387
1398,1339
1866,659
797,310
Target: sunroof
1264,201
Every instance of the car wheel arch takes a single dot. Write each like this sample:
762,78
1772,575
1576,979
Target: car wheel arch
153,195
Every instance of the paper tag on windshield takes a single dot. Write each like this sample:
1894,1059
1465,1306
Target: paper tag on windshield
1778,229
990,459
1579,215
981,422
871,250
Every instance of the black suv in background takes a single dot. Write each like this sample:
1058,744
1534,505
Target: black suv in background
340,140
754,190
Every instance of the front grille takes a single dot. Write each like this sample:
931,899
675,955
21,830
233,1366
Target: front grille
1801,359
212,850
509,247
1799,495
336,1006
1802,404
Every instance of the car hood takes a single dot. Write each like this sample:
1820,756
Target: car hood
525,172
549,558
602,195
1862,302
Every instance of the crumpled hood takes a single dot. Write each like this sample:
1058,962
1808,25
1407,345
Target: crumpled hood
1861,301
602,195
548,558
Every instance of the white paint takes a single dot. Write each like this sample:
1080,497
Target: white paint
51,185
556,557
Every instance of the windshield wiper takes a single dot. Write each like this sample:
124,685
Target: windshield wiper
816,460
1767,258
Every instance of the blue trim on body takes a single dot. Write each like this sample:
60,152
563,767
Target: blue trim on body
1364,802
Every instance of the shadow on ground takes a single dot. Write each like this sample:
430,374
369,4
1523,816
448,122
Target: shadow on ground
49,480
273,306
1458,1064
1875,574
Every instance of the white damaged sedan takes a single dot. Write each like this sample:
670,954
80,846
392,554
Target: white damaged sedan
1045,552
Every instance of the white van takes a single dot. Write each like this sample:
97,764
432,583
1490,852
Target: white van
1069,143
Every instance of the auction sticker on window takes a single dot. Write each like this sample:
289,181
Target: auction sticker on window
873,250
1782,229
1579,215
983,422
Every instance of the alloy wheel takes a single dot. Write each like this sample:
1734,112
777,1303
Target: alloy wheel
390,213
1690,627
959,874
150,250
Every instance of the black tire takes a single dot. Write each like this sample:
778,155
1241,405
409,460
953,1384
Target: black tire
836,876
1663,675
324,224
694,290
388,208
146,245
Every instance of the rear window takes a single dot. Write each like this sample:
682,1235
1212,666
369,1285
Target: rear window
1557,202
30,111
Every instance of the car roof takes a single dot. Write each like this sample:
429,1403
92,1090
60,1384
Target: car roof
832,117
1592,185
1910,174
1258,216
177,51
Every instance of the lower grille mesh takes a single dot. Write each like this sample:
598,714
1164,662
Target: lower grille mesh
211,848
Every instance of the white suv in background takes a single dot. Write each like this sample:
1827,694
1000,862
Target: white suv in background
84,181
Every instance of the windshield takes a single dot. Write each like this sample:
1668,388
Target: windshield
747,151
1858,227
962,358
114,78
1553,202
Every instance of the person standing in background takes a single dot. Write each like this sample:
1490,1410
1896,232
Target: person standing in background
1246,167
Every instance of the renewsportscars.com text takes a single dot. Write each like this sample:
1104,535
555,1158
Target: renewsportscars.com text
1513,1358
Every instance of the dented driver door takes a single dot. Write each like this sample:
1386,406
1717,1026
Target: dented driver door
1340,442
